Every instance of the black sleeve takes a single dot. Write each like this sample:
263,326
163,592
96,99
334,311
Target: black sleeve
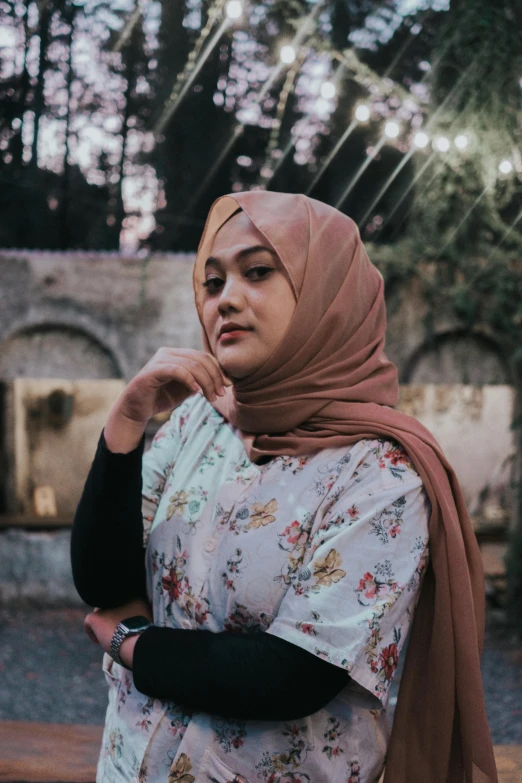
251,676
107,554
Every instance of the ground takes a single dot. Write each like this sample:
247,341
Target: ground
52,672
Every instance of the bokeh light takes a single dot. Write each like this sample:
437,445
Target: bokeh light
287,54
362,113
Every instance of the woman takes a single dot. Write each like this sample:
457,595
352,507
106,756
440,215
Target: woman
293,521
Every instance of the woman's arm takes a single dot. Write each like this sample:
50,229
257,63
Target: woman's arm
249,676
107,555
252,676
107,538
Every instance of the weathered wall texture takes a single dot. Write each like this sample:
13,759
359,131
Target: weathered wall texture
85,315
48,451
73,316
88,315
472,425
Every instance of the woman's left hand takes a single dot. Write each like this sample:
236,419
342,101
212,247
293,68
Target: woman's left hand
100,625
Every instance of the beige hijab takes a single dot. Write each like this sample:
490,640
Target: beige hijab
329,384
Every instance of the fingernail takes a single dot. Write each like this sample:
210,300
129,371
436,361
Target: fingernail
221,391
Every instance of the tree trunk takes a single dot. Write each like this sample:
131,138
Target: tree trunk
39,100
17,145
64,223
129,75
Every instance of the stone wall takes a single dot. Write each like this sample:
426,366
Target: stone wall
77,316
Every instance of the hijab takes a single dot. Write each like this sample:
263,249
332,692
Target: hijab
329,384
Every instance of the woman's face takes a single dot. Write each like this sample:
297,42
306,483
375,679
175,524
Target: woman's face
245,283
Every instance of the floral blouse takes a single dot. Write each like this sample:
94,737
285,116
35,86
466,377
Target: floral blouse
325,550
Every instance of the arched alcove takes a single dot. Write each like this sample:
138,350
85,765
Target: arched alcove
458,357
56,351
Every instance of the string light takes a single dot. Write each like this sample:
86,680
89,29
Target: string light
287,54
506,166
234,9
392,129
362,113
421,140
461,142
328,90
442,144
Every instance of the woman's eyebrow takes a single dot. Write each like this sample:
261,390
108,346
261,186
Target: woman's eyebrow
213,261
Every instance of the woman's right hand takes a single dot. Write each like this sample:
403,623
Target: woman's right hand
172,375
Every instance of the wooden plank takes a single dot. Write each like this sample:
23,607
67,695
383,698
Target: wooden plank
48,752
509,763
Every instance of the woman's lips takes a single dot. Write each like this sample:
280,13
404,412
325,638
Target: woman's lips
233,335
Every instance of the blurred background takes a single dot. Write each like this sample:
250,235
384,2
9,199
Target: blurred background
120,124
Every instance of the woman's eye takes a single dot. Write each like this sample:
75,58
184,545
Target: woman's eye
263,271
260,269
210,282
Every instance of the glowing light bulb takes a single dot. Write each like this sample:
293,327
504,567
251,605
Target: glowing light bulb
442,144
328,90
287,54
362,113
506,166
234,9
461,142
421,139
392,129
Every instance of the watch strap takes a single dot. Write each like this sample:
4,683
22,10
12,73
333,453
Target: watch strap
123,631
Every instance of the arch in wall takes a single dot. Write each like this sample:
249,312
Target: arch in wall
458,357
56,350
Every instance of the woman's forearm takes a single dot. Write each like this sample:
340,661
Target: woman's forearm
107,555
250,676
122,435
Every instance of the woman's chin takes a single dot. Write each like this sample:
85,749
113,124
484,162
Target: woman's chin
236,370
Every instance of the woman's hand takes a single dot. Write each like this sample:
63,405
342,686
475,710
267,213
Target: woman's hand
172,375
100,625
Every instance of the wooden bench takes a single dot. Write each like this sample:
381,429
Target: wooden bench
58,753
48,752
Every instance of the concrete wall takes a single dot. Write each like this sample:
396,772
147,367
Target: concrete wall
72,316
80,306
89,315
47,450
473,427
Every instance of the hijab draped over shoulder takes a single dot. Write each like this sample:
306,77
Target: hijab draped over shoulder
329,384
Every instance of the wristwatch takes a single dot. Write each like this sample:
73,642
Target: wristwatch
128,627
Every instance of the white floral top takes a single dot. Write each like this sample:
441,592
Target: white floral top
325,550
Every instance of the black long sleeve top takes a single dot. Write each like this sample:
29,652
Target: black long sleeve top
238,675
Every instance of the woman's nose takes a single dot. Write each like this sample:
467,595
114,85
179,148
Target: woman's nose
231,294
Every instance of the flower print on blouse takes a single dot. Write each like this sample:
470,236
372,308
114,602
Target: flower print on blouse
325,550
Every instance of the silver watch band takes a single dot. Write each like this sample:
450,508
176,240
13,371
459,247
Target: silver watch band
121,633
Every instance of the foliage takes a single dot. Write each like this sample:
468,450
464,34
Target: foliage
482,293
463,204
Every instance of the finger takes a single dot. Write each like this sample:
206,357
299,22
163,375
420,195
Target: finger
165,372
88,630
215,364
209,379
210,362
192,373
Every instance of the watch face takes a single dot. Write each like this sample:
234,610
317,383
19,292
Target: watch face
137,623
